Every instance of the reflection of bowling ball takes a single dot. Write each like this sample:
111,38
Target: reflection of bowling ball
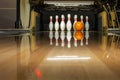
78,35
79,25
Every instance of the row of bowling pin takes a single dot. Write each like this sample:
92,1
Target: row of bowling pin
68,24
68,36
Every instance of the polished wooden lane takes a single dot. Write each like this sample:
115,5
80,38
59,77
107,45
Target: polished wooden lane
31,57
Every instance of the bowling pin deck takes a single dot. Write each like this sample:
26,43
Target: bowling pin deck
61,25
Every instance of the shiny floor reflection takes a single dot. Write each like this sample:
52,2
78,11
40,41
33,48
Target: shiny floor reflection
60,56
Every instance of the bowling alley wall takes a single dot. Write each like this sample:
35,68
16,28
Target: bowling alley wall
8,17
7,13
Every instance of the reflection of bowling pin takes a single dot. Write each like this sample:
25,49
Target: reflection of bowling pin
56,37
69,36
25,50
75,40
51,37
75,20
62,36
51,24
62,24
87,24
87,37
69,24
81,43
56,23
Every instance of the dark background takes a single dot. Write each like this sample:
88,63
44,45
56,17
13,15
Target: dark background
7,13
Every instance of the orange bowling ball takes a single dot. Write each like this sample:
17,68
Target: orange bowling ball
79,26
78,35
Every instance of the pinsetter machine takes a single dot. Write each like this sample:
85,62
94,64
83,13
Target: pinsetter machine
96,10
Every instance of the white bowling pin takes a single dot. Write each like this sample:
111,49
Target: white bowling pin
87,37
75,20
51,37
81,19
51,24
62,24
75,40
69,24
56,37
56,23
69,36
87,24
62,36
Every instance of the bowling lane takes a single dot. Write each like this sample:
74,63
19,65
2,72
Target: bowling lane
42,56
